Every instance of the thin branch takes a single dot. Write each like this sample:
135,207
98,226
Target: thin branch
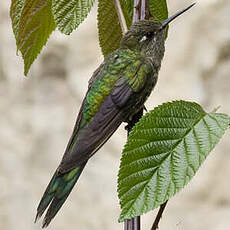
158,217
139,12
143,9
136,10
134,223
121,17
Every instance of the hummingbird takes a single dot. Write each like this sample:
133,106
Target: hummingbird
117,90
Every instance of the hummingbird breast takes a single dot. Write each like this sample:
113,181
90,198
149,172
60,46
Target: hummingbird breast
136,102
136,82
118,90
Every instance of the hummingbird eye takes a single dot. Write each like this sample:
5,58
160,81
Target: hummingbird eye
150,34
147,36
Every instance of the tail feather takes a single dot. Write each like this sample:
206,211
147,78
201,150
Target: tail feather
47,196
56,193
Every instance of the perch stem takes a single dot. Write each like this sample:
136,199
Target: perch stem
158,217
121,17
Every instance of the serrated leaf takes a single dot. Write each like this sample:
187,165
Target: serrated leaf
159,9
36,25
129,6
126,12
164,151
15,14
109,28
68,14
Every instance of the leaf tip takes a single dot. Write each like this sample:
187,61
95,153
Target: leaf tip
122,218
26,70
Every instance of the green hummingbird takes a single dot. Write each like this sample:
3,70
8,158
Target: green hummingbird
117,90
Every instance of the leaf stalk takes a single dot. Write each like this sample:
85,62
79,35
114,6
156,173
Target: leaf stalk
121,17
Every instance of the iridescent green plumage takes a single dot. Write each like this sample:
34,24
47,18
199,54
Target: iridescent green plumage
123,63
117,90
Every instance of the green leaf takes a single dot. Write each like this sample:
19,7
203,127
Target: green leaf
129,6
126,11
35,26
109,27
164,151
68,14
159,9
15,14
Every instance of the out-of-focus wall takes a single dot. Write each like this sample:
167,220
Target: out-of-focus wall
37,115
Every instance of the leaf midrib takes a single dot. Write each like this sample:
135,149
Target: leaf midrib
166,156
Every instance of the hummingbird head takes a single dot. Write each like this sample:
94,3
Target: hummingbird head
148,37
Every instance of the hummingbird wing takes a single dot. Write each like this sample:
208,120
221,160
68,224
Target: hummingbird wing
110,97
104,107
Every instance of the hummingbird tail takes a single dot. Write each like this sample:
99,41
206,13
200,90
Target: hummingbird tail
56,193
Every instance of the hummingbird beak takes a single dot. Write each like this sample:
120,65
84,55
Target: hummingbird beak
168,20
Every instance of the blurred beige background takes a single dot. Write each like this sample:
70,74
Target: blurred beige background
37,115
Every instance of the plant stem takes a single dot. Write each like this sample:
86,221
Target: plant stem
158,217
121,17
134,223
136,10
143,9
139,12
